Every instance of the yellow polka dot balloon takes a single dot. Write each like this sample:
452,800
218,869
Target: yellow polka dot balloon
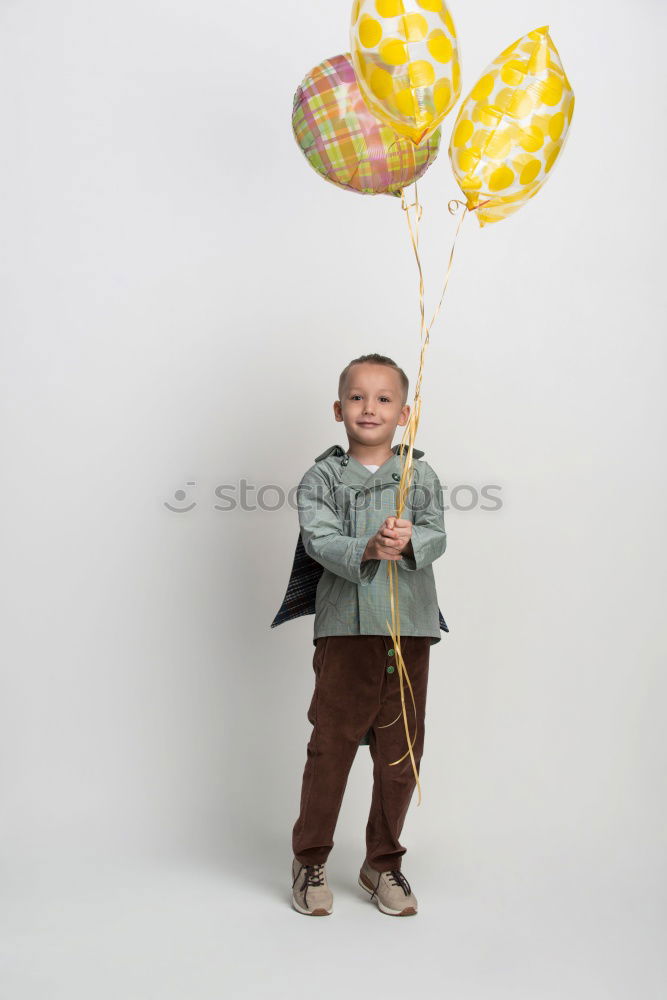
512,127
405,56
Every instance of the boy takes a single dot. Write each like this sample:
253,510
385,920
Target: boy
347,506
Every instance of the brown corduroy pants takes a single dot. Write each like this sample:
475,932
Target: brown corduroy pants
357,689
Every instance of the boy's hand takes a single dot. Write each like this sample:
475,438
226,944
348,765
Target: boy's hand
392,538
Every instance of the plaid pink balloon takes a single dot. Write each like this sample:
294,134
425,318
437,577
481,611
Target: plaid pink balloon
345,142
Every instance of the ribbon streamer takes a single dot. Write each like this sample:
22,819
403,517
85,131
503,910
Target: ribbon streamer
405,451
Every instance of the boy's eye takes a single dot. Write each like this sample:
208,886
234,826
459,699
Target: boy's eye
384,398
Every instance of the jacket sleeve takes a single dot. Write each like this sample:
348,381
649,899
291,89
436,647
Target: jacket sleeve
429,538
322,533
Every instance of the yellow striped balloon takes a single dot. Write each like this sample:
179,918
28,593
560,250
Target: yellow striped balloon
405,56
512,126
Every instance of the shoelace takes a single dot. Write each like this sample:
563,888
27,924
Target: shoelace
314,875
398,878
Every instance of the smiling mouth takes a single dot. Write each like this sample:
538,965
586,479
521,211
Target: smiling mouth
367,423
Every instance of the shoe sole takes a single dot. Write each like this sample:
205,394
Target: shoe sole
409,911
320,911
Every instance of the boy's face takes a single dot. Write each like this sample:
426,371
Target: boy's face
372,405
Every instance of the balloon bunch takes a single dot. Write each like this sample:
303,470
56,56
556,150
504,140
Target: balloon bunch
370,121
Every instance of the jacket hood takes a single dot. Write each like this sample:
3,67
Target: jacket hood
336,450
349,471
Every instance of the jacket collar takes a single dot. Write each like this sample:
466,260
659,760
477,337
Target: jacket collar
351,472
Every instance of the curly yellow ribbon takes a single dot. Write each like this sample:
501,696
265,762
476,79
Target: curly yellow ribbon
405,451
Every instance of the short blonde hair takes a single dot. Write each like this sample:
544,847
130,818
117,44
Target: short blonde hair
374,359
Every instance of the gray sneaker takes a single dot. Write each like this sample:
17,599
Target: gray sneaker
310,891
390,890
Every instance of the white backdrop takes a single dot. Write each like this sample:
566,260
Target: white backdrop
179,294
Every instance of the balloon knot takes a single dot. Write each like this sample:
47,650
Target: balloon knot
454,205
413,204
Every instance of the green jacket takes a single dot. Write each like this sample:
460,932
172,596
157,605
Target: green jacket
341,505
